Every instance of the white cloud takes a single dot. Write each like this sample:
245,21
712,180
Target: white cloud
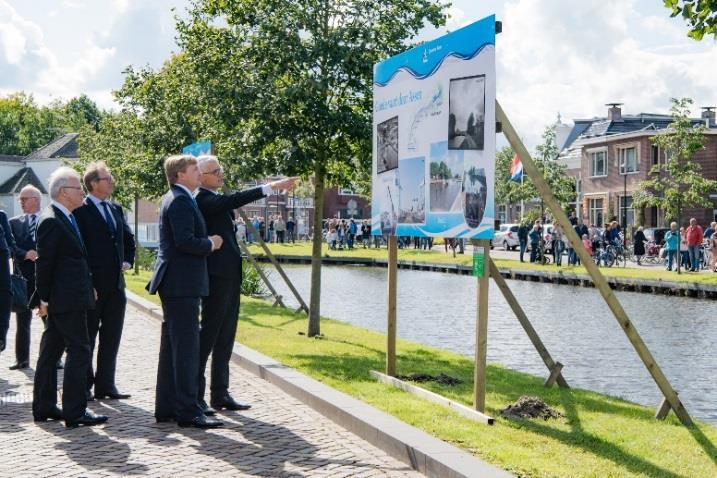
456,18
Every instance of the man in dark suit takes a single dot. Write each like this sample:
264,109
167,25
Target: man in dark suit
64,291
110,250
24,229
220,309
180,277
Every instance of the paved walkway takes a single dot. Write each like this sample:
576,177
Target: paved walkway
279,436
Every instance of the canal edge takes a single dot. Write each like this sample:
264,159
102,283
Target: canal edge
655,287
422,452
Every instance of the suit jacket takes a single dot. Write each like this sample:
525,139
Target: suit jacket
181,266
105,252
218,212
24,242
62,273
7,241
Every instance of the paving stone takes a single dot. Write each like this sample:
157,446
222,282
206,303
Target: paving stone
278,437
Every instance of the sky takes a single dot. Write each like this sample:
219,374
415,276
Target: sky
554,56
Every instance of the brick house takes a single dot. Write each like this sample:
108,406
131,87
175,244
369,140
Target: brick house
609,157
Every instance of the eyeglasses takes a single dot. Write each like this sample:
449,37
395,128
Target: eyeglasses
109,179
27,199
216,172
72,187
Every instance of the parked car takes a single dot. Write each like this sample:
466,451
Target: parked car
656,234
506,237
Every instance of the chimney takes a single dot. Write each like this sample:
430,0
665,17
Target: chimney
614,113
708,116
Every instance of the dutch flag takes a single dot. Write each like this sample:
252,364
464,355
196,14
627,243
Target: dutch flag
516,169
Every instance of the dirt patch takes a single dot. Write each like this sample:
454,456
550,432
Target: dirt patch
530,407
441,378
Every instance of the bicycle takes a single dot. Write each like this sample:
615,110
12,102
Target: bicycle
604,255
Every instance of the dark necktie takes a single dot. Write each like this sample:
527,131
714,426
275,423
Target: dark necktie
32,226
77,229
108,219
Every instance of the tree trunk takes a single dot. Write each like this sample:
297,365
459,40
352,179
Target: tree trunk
315,303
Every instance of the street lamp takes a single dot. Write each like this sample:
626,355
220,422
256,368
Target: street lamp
624,204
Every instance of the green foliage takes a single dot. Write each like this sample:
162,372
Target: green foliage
251,282
512,192
144,258
26,126
442,171
700,15
677,182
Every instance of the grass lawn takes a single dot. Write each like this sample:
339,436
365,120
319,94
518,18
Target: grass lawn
599,436
439,257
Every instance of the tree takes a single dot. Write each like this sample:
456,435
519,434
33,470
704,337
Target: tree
286,87
701,15
555,174
677,182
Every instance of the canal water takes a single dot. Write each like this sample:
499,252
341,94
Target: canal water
575,324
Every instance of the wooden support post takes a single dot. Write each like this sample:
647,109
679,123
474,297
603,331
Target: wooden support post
479,372
270,256
392,292
263,276
527,326
554,374
600,283
663,410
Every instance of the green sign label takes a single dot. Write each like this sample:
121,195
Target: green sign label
478,261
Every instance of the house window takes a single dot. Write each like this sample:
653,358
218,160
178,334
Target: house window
598,163
596,212
501,213
655,155
627,211
627,158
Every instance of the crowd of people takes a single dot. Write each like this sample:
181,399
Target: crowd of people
73,256
697,248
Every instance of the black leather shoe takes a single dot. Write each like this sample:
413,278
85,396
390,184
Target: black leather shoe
113,396
200,422
206,409
228,403
54,414
20,366
88,419
165,419
59,365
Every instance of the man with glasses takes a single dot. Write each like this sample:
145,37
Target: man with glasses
24,229
110,250
220,309
65,294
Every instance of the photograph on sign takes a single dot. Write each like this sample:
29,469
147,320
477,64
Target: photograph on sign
434,138
466,113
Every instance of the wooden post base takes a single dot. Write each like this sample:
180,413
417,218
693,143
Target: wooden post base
554,374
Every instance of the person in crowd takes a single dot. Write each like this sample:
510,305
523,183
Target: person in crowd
291,230
110,252
573,219
332,238
64,293
241,230
638,244
352,230
694,237
534,237
24,230
220,309
366,234
181,279
558,245
341,234
710,230
684,250
713,249
7,249
672,244
523,239
587,243
280,228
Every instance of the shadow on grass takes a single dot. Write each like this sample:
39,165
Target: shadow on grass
704,442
